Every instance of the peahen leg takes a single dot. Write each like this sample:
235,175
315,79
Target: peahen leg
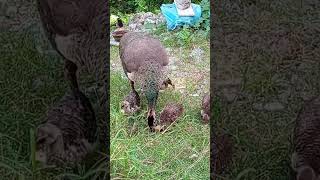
70,74
132,85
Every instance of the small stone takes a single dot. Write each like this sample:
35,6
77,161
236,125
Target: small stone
193,156
150,21
173,67
197,53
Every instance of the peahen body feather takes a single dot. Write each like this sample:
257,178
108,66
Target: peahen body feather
69,131
144,62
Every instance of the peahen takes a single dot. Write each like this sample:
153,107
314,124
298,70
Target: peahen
306,141
77,30
144,61
68,134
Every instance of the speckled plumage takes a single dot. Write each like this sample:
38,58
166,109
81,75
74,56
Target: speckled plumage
77,29
69,131
306,138
144,61
131,103
205,108
170,113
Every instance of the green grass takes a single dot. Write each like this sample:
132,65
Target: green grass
183,151
146,155
262,138
29,84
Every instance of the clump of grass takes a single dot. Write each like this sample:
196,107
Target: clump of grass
262,138
29,84
181,152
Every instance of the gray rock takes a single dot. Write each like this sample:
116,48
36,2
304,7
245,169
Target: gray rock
173,67
150,21
197,53
140,19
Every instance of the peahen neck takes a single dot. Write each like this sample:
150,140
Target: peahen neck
151,92
150,75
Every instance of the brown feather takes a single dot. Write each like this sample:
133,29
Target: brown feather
205,108
69,131
171,112
137,48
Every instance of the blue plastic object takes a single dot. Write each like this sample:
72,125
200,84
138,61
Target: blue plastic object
170,13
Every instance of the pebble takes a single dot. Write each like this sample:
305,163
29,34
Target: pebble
195,95
193,156
173,67
140,19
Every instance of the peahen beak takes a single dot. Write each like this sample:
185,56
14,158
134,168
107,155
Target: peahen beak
151,117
